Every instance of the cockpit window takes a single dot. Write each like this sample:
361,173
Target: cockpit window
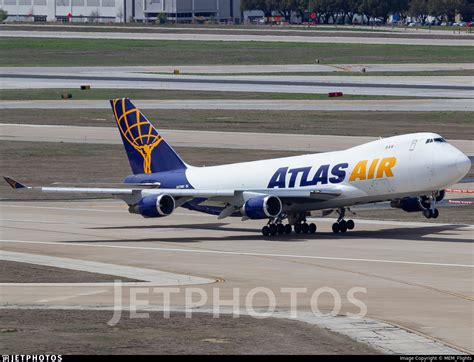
439,139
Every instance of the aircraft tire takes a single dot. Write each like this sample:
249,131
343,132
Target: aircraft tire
297,228
435,214
335,228
287,229
281,229
273,229
343,227
312,228
427,213
265,231
350,224
304,228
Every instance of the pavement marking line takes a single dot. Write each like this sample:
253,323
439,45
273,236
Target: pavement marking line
240,253
142,276
71,296
361,221
408,105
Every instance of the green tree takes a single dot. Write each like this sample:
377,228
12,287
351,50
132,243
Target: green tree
3,15
267,6
419,9
324,8
467,10
445,9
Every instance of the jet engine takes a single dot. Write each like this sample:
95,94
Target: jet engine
409,204
414,204
262,207
154,206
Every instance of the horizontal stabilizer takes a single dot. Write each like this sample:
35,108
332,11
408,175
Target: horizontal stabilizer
14,184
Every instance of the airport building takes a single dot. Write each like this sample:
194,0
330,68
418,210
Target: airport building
86,11
185,11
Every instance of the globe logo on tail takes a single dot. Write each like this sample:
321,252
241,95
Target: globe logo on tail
138,132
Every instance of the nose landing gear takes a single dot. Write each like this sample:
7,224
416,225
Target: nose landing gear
431,211
342,225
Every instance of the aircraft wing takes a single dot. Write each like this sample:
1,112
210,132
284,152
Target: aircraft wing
133,192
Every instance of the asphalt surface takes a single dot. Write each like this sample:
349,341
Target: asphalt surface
233,37
352,29
416,275
247,69
445,87
340,104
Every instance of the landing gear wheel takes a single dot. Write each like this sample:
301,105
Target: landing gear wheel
297,228
343,226
312,228
435,214
427,213
287,229
350,224
335,228
305,228
273,229
280,229
265,231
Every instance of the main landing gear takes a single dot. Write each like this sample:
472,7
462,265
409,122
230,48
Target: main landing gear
275,226
342,225
302,227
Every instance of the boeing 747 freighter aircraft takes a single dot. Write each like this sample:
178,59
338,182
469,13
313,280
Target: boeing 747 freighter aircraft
410,171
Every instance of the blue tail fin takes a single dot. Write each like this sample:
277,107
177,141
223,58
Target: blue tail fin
147,151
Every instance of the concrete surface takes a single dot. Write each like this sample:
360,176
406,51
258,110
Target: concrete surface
416,276
261,68
192,138
434,86
355,29
232,37
148,276
402,105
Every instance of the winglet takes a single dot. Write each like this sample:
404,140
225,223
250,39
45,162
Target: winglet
14,184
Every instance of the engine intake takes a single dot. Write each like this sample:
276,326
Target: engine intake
262,207
154,206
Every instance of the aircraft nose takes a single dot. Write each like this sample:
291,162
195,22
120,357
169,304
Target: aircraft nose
463,164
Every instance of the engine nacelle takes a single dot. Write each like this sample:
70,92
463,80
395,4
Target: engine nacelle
154,206
414,204
409,204
262,207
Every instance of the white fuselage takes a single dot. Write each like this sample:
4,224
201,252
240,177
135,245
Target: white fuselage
381,170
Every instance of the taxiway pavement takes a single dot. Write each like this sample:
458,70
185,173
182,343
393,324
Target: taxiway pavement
433,86
194,36
390,105
415,275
